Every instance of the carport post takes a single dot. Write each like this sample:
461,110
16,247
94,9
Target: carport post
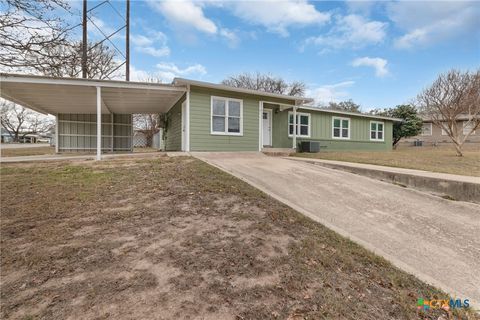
99,123
294,134
56,133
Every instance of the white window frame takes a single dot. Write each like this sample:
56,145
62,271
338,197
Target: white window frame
431,128
444,132
465,132
349,128
298,135
377,131
226,133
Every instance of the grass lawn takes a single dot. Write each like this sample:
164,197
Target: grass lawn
33,151
176,238
38,151
437,159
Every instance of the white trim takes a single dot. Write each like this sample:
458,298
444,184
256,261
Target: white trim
15,78
203,84
299,135
341,128
346,113
183,126
187,118
376,132
260,125
431,128
270,111
226,133
99,123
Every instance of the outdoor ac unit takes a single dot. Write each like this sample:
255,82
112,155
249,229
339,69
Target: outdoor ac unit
310,146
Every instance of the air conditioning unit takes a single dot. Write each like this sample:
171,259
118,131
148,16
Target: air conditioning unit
310,146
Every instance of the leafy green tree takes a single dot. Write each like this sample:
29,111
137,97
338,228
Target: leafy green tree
409,127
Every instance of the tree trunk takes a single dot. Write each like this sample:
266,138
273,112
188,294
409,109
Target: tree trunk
458,148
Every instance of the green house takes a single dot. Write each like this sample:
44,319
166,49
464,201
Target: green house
212,117
96,116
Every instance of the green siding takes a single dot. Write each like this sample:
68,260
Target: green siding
200,137
173,133
321,130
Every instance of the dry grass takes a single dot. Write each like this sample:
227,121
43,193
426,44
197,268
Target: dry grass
47,150
436,159
33,151
176,238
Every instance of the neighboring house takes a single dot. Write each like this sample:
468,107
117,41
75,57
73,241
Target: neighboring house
435,135
201,116
5,136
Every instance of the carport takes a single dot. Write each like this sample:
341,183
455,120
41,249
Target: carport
101,106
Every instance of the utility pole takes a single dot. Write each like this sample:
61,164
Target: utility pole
127,49
84,40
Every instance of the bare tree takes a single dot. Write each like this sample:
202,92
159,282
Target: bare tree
348,106
66,61
148,124
454,95
20,122
266,83
29,30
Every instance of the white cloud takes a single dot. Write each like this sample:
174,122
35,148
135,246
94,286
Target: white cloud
330,92
185,13
351,31
165,72
230,36
277,16
428,22
154,44
379,64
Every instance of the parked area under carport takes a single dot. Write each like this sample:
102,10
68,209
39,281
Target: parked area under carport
91,115
433,238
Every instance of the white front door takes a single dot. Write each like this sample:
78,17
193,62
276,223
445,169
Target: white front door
267,127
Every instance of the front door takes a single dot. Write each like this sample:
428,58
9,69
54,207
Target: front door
267,127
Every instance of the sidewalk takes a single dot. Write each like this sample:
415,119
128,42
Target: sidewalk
457,187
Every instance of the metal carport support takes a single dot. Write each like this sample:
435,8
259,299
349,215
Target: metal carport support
99,123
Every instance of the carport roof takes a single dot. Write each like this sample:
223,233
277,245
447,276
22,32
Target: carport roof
74,95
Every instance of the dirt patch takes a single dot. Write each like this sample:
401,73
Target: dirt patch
175,238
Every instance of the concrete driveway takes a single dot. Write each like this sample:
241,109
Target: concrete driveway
435,239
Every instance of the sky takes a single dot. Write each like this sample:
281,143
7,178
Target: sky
379,54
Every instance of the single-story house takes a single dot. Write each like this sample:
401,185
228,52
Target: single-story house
433,134
200,116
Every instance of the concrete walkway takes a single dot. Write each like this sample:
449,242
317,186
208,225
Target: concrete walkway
435,239
452,186
420,173
23,145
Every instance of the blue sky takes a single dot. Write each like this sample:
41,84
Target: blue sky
377,53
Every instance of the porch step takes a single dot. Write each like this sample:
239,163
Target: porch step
278,152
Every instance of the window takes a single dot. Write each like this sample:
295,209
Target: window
303,125
426,129
341,128
444,132
376,130
467,127
227,116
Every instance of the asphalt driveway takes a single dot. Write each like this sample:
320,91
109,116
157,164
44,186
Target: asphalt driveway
435,239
